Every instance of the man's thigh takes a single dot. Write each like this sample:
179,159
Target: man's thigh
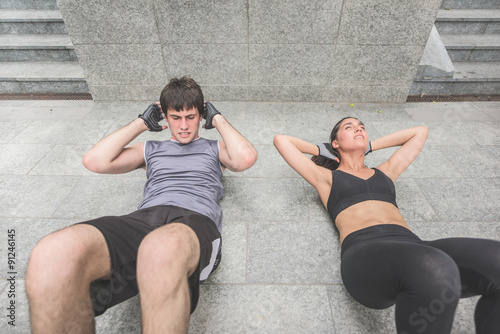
80,246
175,243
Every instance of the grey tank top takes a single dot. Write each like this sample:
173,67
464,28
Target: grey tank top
184,175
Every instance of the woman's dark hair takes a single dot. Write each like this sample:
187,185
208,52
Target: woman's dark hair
183,93
325,162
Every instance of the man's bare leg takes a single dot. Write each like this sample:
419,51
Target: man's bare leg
167,257
58,277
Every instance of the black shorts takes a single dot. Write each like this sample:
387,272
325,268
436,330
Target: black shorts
123,236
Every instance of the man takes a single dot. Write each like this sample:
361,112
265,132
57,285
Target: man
161,251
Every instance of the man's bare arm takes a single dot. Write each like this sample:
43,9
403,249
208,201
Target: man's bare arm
111,156
236,152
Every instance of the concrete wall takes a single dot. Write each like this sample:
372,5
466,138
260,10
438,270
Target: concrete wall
257,50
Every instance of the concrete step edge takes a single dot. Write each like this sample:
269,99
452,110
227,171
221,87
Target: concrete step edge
35,41
471,41
486,15
41,71
30,15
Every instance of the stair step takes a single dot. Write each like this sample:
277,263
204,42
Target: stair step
42,77
28,4
472,47
481,78
471,4
38,47
468,21
31,21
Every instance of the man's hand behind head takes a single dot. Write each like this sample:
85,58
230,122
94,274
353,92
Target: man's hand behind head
152,116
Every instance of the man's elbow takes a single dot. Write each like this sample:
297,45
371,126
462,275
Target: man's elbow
245,162
249,160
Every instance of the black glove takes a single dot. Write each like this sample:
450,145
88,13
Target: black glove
326,151
369,150
151,116
209,114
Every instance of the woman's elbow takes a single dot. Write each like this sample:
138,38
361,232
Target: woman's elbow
423,130
91,163
277,139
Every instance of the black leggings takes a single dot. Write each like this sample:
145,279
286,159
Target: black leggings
385,265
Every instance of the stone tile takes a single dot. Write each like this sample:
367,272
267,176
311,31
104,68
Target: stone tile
128,64
463,199
114,110
271,119
123,318
353,65
228,62
453,114
9,87
214,92
493,113
351,317
63,160
270,164
244,197
95,22
9,129
388,23
311,245
192,22
49,104
289,64
19,159
262,309
113,92
33,196
16,4
450,229
22,324
232,268
96,196
294,22
233,110
69,86
367,112
473,161
470,4
271,111
58,132
27,234
440,133
68,112
296,93
359,93
317,210
484,133
430,163
412,201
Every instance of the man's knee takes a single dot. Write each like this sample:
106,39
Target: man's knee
62,256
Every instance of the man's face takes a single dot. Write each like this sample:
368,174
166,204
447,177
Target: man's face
184,124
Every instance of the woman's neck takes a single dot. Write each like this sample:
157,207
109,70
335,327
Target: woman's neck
354,162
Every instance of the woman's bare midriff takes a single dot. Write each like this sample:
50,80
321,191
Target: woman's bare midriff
366,214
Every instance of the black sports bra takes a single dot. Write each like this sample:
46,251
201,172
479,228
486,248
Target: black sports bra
348,189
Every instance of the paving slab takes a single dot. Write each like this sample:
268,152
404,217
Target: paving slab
280,269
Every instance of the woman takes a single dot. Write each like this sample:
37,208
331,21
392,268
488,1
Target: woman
383,262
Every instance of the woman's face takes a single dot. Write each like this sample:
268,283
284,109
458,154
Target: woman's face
351,136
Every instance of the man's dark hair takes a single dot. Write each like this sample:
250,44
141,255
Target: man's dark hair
183,93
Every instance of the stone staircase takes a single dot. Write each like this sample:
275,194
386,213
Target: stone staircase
470,32
36,53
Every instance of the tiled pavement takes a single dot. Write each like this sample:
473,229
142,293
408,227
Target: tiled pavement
280,267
